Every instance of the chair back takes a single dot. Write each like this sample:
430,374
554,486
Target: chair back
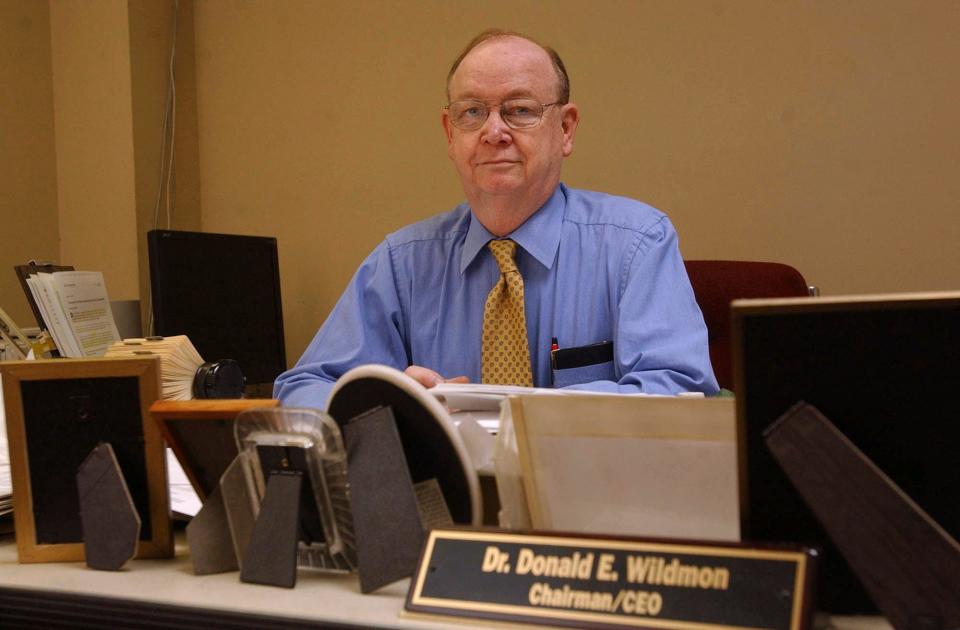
716,283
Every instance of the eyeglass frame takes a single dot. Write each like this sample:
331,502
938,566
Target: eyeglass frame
488,108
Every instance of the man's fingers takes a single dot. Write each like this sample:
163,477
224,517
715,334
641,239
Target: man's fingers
428,378
424,376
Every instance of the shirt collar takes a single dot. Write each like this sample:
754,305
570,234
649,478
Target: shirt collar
539,235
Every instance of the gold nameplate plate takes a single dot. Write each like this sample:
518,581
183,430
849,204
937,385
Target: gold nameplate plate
585,581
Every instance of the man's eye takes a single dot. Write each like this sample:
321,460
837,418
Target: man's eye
471,113
519,111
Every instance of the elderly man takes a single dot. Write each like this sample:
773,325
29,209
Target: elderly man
528,282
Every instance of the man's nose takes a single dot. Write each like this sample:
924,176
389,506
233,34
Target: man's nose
494,129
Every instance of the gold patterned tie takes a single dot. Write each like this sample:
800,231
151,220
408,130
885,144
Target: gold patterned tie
506,355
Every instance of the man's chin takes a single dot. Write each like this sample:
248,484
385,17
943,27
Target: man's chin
503,185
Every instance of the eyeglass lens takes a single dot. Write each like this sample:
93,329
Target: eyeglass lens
517,113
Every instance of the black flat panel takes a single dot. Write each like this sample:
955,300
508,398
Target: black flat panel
222,291
886,374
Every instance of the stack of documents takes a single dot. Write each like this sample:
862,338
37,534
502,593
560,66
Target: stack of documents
76,311
179,361
6,482
184,502
6,485
482,402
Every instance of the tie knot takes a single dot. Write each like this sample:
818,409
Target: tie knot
503,251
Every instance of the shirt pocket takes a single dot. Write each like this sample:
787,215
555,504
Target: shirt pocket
584,374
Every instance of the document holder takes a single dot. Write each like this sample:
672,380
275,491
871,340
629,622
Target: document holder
24,272
907,563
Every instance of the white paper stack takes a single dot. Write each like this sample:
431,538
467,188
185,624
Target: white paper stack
179,361
482,402
76,310
6,483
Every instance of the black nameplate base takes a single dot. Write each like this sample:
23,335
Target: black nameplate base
585,581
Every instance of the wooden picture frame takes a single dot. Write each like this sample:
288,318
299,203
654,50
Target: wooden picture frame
200,432
57,411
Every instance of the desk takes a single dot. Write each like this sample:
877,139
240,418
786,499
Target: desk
165,592
159,593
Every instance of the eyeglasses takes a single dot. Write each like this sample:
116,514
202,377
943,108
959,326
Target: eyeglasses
518,113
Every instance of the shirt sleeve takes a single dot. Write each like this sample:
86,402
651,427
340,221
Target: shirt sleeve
364,327
660,339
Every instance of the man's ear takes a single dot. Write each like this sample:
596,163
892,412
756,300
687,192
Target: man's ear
569,119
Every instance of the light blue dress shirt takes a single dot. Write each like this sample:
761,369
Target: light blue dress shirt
595,268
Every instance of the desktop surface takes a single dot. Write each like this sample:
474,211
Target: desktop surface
145,589
165,593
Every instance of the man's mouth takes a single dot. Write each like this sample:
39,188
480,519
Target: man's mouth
498,162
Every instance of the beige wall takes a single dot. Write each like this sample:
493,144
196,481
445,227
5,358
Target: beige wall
171,202
85,83
821,134
29,228
94,138
818,133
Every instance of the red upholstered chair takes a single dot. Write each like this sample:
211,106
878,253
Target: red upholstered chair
716,283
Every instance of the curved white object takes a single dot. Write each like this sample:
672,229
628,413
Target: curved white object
419,393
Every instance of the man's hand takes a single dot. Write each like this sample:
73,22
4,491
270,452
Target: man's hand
429,378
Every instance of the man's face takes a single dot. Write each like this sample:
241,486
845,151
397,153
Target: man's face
495,159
